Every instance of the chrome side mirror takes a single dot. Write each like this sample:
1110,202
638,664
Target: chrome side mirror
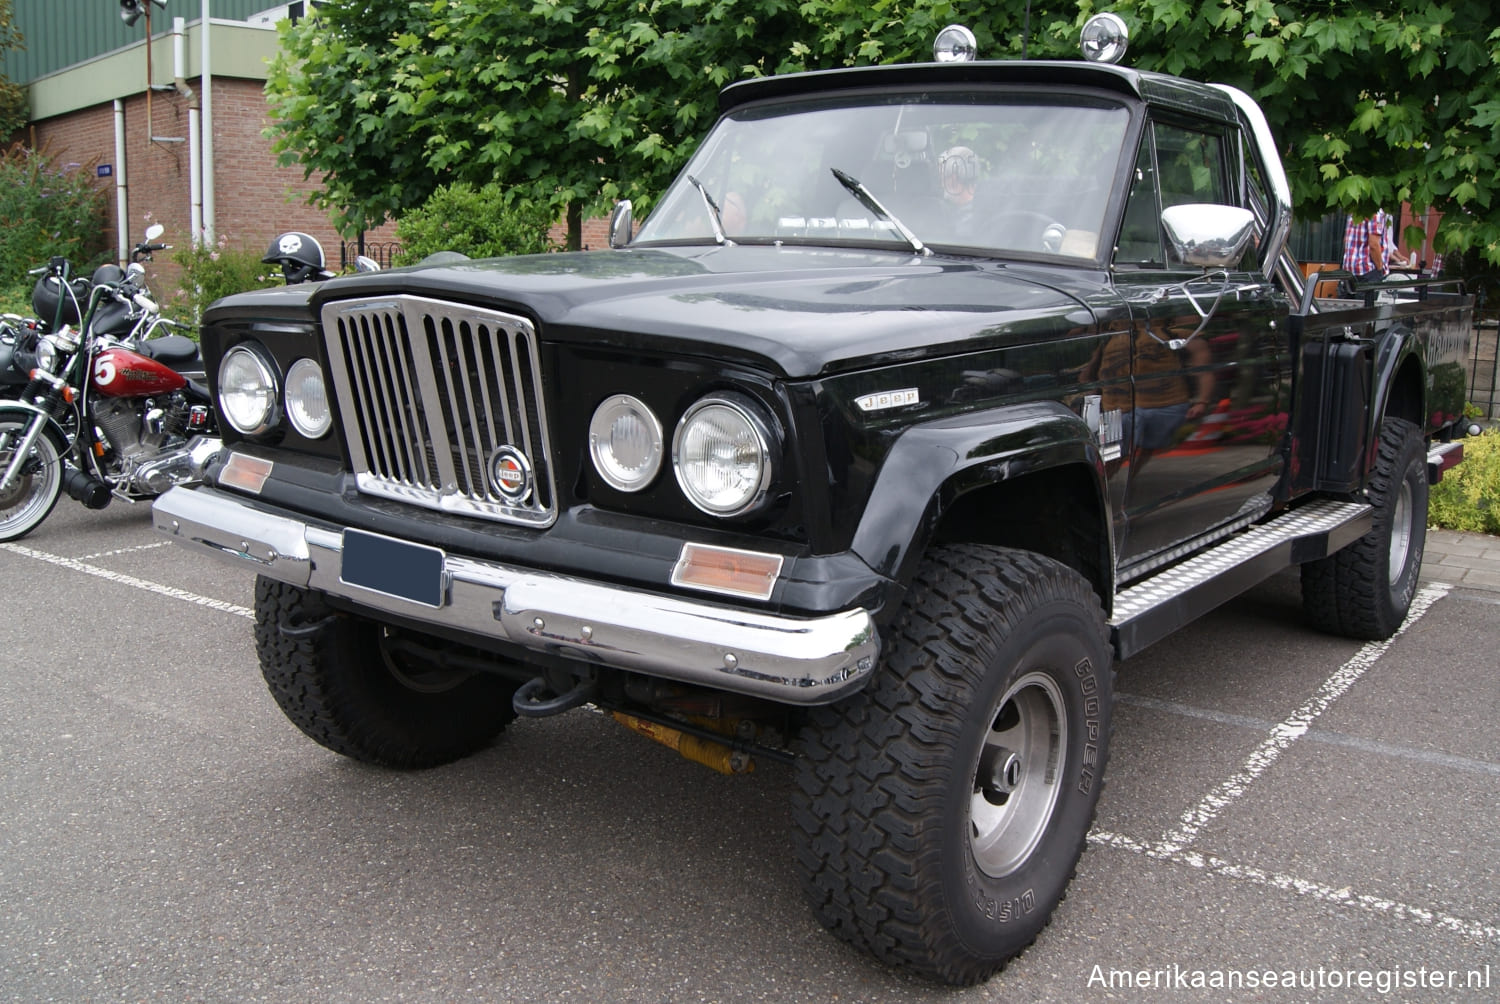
154,231
1208,235
364,263
621,228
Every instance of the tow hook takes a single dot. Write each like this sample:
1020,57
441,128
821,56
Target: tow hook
536,699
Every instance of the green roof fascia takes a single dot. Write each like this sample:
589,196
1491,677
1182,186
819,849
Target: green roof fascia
237,50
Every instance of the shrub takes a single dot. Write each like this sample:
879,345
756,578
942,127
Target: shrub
481,223
47,210
210,273
1468,497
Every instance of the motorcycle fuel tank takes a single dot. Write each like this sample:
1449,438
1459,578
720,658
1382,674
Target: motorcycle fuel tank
121,373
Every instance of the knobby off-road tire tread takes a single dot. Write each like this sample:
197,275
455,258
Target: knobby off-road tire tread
866,783
1348,593
328,679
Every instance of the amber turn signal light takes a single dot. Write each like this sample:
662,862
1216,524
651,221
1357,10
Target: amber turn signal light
727,570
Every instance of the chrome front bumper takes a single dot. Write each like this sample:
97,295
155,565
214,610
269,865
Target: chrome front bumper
792,660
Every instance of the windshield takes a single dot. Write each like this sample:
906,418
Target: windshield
997,172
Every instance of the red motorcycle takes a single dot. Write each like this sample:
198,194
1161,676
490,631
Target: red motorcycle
109,411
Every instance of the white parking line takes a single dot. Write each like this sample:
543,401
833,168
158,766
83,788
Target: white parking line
1394,909
124,550
1293,728
130,580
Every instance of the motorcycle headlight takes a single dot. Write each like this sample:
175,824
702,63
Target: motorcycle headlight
247,391
307,399
625,441
46,354
721,454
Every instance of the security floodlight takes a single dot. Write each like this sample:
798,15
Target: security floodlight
131,10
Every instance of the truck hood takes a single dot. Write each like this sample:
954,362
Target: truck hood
799,311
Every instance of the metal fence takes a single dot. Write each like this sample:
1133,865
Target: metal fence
381,251
1484,363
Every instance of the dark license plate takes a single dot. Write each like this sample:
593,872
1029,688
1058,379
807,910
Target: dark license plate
394,567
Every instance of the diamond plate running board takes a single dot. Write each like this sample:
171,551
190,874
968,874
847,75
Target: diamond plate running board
1153,608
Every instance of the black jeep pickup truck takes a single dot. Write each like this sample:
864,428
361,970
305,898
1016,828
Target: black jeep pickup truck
925,393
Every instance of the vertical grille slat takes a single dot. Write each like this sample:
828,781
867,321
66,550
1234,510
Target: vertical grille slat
489,438
468,438
429,392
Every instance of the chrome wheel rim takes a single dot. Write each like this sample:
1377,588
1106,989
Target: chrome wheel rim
1401,532
1019,775
29,498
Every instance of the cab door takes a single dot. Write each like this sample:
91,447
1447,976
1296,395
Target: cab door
1206,354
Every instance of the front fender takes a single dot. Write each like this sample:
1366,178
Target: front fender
933,464
23,412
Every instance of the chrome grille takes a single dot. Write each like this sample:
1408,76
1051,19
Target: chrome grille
428,392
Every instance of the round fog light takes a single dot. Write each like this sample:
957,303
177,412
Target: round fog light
307,399
625,441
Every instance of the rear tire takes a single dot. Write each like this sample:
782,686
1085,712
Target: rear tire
335,678
31,499
941,812
1364,590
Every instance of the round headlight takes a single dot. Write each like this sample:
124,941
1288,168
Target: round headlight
722,455
307,399
625,441
47,354
247,391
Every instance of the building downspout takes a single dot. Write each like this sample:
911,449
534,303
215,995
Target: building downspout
122,203
195,161
206,124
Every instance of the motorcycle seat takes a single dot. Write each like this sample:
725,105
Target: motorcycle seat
169,349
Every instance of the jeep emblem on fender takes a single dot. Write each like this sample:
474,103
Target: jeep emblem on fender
510,473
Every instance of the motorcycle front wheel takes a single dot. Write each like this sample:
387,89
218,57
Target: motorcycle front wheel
30,498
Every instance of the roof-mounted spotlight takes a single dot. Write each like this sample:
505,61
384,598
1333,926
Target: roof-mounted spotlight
131,10
955,44
1104,38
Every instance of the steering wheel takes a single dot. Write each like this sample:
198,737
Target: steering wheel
1048,233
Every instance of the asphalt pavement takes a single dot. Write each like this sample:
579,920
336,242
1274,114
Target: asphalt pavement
1282,807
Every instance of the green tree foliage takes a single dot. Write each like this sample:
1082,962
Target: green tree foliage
571,103
577,102
15,112
49,209
1374,104
478,222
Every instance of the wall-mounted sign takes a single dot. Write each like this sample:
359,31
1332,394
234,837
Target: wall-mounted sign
106,170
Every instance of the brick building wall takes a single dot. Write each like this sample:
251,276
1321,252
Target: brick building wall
595,233
254,198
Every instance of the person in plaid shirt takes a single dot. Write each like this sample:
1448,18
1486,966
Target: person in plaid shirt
1365,253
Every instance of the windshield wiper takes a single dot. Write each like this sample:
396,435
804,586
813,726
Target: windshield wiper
713,211
871,203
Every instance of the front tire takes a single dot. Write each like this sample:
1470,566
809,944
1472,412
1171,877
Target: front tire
941,812
339,679
32,497
1364,590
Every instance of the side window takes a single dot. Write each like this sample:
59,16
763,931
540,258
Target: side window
1140,233
1175,165
1192,166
